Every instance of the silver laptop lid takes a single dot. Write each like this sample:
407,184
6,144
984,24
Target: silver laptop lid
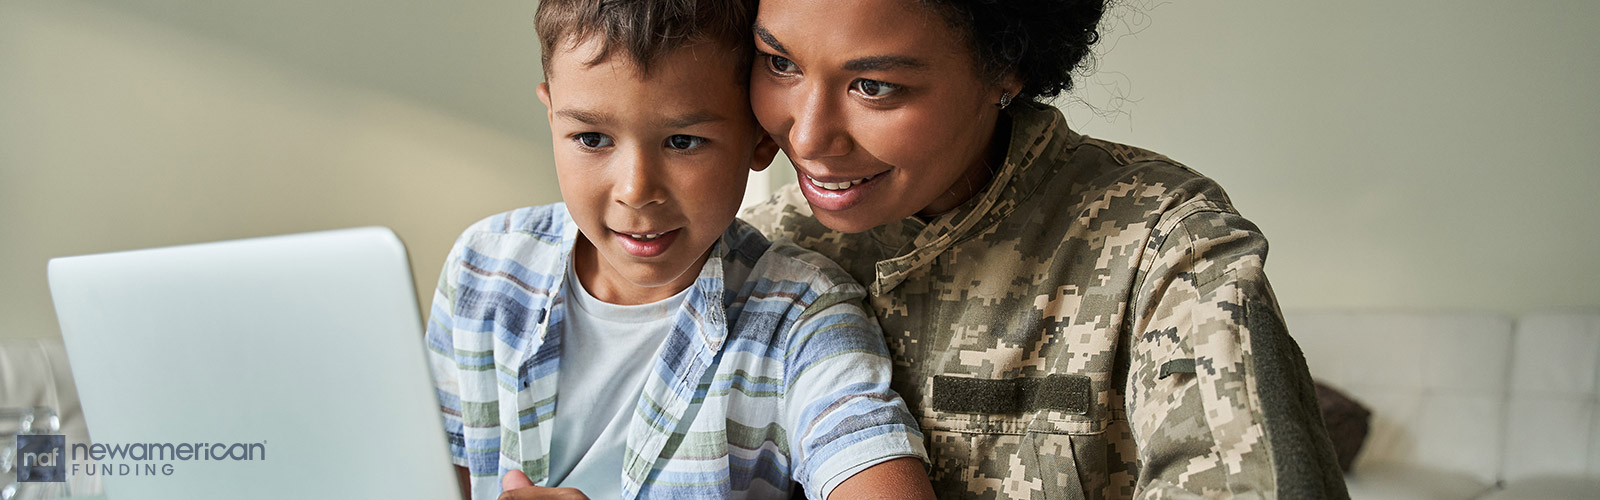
280,367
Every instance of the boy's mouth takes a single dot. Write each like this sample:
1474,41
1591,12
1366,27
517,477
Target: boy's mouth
644,236
646,244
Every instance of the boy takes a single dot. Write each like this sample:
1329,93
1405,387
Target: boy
637,341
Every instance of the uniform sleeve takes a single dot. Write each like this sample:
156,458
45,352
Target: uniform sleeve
839,411
1218,394
442,355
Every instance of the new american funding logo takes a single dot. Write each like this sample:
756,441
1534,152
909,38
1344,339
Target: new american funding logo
48,458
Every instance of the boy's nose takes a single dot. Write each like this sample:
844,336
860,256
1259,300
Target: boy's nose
639,184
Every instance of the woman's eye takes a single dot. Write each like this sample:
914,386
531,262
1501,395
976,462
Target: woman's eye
592,140
873,89
685,142
780,64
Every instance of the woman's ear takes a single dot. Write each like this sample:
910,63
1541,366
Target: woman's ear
766,150
1010,85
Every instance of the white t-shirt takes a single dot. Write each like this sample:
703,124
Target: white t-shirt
607,350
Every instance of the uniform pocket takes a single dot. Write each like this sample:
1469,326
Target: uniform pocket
1048,461
1033,464
1015,438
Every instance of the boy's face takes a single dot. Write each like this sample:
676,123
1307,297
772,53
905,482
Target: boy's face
653,167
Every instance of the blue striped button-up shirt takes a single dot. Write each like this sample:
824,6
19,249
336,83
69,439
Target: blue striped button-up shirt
773,374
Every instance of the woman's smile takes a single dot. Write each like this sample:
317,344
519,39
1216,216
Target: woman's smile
841,195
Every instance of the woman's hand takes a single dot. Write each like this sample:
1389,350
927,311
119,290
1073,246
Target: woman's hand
516,486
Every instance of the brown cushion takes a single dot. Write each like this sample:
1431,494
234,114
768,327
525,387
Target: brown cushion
1347,422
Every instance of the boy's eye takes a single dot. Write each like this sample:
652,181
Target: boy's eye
873,89
780,64
685,141
593,140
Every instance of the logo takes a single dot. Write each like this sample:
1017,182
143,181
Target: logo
41,458
47,458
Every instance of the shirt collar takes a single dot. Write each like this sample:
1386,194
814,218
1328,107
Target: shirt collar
709,284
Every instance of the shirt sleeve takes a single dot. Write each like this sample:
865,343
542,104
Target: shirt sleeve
442,355
841,415
1219,397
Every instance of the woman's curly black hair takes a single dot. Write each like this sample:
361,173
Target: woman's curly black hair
1041,41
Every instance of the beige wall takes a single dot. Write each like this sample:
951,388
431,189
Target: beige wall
1398,155
128,129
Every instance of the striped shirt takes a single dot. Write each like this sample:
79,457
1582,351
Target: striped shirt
773,375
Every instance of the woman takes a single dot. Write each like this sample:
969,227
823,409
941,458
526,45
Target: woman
1070,318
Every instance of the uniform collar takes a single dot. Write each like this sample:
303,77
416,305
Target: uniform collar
1034,127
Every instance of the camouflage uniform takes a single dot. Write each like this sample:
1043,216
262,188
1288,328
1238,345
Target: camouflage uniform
1094,324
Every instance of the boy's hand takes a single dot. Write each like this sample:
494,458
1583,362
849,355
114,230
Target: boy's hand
518,487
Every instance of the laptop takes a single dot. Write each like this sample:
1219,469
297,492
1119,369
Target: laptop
280,367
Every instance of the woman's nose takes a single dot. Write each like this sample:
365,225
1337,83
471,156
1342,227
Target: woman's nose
819,130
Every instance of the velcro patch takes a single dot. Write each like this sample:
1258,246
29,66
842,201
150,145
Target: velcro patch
1184,365
1067,393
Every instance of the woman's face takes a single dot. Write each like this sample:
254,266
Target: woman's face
879,105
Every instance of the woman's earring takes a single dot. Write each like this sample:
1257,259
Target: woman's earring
1005,99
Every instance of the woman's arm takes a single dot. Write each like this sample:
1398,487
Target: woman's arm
1218,394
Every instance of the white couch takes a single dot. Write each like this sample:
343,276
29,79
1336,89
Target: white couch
1466,405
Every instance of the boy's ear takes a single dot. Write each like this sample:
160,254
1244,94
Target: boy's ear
766,150
544,97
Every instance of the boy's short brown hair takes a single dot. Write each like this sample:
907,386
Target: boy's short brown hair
644,30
